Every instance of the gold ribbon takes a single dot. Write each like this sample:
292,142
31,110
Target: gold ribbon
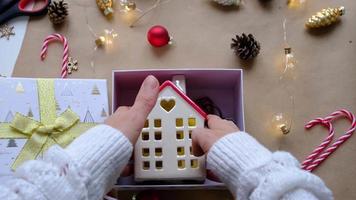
50,130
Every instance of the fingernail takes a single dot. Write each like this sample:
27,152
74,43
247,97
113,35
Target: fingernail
150,82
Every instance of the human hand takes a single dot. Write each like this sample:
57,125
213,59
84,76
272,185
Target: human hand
204,138
131,119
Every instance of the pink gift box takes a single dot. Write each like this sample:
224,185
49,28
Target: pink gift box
223,86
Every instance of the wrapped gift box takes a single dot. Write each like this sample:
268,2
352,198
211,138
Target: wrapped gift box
223,86
36,99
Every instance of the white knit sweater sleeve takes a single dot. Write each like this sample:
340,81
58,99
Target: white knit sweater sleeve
252,172
85,170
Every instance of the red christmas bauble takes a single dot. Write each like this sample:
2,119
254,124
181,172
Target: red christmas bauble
158,36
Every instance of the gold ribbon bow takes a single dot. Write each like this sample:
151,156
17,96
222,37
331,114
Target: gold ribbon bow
50,130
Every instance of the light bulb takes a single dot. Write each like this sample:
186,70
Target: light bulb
289,65
290,59
128,5
281,123
107,39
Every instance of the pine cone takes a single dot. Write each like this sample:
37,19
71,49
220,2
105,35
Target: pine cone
57,11
245,47
325,17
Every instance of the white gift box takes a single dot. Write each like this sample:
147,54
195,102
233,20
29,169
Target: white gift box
88,99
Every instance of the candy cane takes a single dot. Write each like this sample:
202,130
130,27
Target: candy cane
323,145
323,153
61,38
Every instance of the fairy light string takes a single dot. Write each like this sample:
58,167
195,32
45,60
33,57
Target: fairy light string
154,6
283,121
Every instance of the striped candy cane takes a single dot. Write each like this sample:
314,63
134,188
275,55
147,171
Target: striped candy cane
323,145
61,38
322,152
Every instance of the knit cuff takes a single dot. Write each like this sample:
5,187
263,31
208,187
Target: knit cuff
234,154
103,152
277,184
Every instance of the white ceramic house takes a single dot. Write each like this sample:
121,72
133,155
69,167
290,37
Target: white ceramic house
163,151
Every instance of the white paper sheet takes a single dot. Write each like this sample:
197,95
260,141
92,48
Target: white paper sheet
10,49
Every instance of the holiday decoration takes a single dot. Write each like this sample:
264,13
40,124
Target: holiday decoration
281,123
228,2
35,124
72,65
158,36
61,38
163,150
128,5
106,39
106,6
290,60
6,31
325,17
322,152
245,46
288,67
295,3
57,11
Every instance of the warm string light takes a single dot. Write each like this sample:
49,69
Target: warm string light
282,122
129,6
107,39
289,65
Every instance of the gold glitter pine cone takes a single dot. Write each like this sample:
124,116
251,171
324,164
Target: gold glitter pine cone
325,17
58,11
106,6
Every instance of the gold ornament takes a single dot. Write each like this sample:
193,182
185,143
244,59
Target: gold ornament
72,65
6,31
325,17
106,6
295,4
